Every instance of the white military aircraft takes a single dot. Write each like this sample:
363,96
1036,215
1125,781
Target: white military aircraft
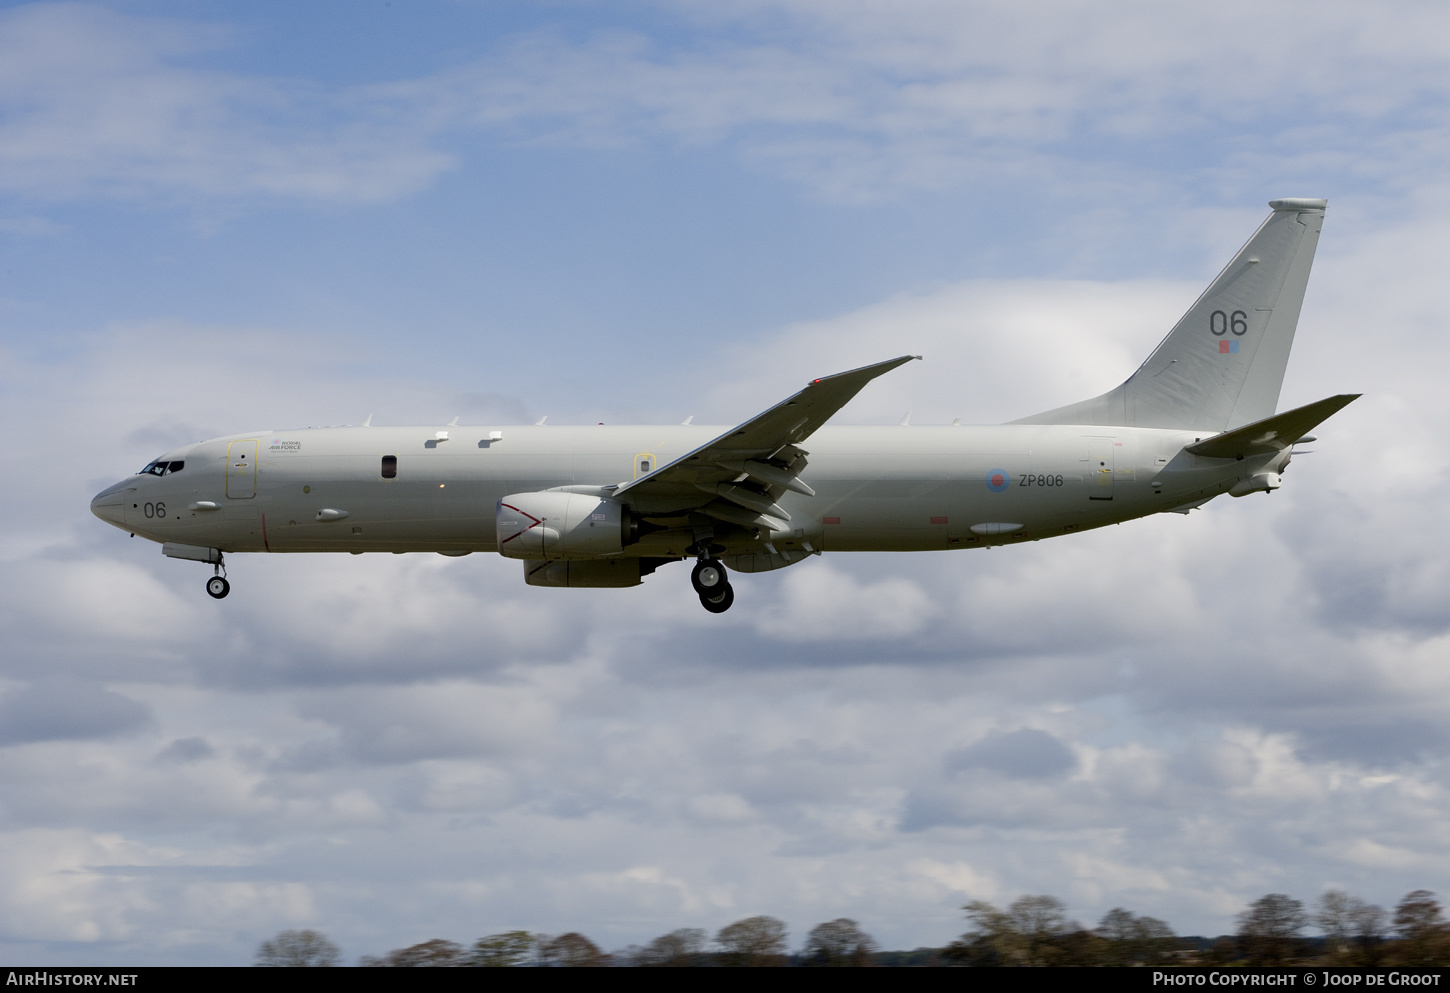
607,506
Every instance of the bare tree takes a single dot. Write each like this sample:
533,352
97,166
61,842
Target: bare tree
1367,924
1424,934
1117,925
424,955
839,943
1031,931
501,950
1156,940
681,948
1042,922
571,950
1132,940
754,941
991,942
1353,930
1269,929
1334,916
298,948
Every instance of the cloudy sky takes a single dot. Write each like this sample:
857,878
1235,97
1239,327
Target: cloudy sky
219,217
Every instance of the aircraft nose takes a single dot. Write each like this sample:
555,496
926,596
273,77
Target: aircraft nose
110,504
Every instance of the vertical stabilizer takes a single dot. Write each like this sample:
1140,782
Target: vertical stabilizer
1222,365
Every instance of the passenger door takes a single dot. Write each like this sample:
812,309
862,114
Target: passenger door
242,469
1099,475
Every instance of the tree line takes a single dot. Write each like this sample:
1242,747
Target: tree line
1030,931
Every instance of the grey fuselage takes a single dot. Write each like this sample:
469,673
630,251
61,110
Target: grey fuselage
877,488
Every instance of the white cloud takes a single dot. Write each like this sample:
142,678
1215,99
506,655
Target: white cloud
821,603
858,99
721,807
447,720
443,707
83,598
853,101
53,892
397,748
959,877
98,102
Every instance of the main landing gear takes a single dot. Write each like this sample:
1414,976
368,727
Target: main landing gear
713,584
217,586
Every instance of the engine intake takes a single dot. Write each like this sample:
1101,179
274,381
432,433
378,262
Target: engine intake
554,525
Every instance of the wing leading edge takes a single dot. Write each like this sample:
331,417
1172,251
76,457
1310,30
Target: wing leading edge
740,476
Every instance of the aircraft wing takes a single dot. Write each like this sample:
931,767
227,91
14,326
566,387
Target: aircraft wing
739,476
1272,434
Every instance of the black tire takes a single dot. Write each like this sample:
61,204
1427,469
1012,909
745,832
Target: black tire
709,575
718,602
217,587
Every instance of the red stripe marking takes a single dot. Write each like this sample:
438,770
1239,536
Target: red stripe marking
531,517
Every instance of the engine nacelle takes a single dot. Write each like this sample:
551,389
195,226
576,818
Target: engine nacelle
553,525
1259,482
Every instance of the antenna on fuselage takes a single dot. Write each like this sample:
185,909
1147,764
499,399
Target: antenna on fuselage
369,422
540,422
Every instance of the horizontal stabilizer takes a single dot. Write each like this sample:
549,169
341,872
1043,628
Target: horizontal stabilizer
1272,434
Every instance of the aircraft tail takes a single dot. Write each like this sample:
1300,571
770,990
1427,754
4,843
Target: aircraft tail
1222,365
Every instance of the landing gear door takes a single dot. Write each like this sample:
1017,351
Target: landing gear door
242,469
1099,475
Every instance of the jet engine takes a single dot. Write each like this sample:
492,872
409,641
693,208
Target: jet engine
1259,482
556,525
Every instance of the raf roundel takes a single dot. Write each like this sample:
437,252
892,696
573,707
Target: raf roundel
997,480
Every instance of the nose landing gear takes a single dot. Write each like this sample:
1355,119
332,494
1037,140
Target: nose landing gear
712,583
217,586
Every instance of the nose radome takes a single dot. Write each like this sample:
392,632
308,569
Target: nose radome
110,504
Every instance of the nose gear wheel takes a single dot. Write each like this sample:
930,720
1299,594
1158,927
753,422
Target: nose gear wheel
217,586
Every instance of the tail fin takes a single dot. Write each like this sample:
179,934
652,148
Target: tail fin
1222,365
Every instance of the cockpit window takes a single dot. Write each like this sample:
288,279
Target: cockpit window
161,468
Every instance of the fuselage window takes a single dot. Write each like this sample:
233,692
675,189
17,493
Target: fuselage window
390,467
643,466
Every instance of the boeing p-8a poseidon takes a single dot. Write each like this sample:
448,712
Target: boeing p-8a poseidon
607,506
